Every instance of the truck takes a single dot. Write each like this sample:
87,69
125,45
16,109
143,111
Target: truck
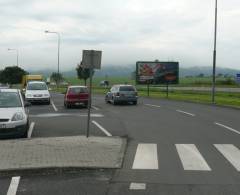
27,78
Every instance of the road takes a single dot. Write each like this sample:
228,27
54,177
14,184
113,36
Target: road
174,148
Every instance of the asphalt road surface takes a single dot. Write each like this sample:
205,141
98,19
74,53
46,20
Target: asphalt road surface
174,148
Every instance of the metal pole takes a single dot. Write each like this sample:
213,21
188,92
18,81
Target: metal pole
167,89
90,95
148,89
17,57
58,51
214,56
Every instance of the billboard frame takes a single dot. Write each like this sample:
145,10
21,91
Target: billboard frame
164,83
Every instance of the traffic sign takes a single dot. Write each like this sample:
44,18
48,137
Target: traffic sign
91,59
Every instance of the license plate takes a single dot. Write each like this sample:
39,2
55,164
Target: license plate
2,126
78,104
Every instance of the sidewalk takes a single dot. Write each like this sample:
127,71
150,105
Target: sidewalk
61,153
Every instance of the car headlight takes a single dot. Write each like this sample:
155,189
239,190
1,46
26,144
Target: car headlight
46,95
28,95
19,116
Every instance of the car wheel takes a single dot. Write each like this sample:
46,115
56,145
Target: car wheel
48,103
25,135
66,105
106,101
135,103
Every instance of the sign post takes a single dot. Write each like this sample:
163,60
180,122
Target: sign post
91,59
238,78
148,87
167,88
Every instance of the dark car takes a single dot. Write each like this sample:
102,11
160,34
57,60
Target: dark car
76,96
122,94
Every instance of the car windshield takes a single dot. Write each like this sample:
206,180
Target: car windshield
10,100
77,90
126,88
37,86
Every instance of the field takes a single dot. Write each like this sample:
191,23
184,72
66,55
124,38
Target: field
190,81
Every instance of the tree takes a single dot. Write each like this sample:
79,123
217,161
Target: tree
12,75
56,77
201,75
133,75
83,73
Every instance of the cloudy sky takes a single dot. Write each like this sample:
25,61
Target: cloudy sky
125,30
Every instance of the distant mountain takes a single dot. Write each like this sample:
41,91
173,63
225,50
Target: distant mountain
207,71
125,71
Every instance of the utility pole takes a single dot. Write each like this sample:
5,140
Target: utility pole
214,55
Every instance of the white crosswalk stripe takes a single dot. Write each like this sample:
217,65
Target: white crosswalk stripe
191,158
146,157
231,153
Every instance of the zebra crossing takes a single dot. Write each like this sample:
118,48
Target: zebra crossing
191,158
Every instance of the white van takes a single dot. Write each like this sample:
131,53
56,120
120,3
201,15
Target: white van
37,91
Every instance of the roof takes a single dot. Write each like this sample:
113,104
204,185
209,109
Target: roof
9,90
36,82
122,85
77,86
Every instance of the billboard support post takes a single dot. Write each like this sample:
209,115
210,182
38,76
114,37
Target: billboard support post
167,88
148,90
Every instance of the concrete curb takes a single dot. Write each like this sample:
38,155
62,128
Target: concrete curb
117,155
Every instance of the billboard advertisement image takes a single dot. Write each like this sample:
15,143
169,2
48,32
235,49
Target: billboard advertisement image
157,72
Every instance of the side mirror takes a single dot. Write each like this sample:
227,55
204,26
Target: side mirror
27,104
50,89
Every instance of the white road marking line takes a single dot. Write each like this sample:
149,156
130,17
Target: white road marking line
31,129
53,105
47,115
188,113
191,158
229,128
94,107
12,190
231,153
152,105
101,128
146,157
137,186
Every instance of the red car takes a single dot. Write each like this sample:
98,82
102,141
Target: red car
76,96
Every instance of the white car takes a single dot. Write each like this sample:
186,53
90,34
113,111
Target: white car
14,120
37,91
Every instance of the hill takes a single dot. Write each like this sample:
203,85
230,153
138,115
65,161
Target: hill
125,71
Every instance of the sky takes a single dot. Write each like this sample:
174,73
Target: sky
125,30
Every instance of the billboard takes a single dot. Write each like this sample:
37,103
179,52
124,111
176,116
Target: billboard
157,72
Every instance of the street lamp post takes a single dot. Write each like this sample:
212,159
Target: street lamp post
46,31
9,49
214,54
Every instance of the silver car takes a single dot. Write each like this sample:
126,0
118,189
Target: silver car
14,120
122,94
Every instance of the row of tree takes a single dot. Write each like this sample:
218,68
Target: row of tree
13,75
